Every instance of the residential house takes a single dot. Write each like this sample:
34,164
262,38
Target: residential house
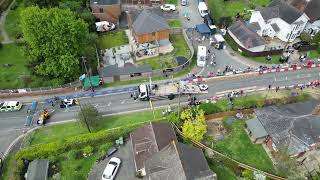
279,19
38,170
106,10
256,131
148,27
148,140
179,162
311,9
158,155
291,127
246,37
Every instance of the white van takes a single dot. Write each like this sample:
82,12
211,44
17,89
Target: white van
203,10
201,56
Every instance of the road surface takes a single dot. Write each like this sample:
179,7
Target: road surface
11,124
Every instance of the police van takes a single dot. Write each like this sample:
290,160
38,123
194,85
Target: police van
9,106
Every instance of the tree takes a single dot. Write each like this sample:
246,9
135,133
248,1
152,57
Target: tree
41,3
304,36
55,40
194,126
88,116
286,166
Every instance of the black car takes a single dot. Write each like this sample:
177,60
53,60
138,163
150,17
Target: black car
208,20
299,44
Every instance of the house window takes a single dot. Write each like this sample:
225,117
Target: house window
101,10
287,37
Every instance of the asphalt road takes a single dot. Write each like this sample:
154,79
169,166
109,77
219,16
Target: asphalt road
12,124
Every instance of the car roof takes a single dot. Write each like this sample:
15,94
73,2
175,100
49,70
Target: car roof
10,103
108,170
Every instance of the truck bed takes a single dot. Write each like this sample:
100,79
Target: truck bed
174,88
167,89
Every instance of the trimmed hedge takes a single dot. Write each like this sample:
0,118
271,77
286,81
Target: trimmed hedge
76,142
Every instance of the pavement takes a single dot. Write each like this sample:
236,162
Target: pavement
126,170
12,124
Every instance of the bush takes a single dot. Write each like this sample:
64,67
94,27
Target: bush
88,149
210,108
72,155
304,36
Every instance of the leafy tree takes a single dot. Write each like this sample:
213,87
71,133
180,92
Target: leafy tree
88,116
41,3
55,39
247,175
304,36
194,126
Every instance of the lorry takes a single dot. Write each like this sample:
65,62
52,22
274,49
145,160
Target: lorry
146,92
201,56
203,9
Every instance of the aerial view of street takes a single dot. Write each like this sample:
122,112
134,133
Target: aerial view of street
159,90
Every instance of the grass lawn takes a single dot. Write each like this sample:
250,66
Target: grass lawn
172,2
274,60
12,23
112,39
313,54
57,132
221,8
238,145
168,60
9,76
175,23
8,166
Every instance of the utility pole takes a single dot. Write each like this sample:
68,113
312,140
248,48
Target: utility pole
85,118
179,102
84,61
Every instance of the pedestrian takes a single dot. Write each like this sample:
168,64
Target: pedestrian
269,86
52,103
277,88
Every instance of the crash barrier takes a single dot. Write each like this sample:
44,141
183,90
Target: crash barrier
242,165
291,68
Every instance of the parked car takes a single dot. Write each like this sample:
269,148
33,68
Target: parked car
184,2
105,26
168,7
9,106
111,151
111,169
299,44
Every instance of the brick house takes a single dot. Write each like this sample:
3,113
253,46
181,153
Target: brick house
106,10
148,27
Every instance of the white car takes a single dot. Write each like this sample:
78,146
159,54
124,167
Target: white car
65,103
168,7
105,26
111,169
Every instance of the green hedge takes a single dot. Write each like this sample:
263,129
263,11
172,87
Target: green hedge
75,142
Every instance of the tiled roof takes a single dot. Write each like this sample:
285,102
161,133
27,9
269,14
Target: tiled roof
148,22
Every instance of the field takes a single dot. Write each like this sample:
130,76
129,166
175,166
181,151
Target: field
12,54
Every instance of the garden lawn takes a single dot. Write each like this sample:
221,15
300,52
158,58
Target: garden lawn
112,39
58,132
274,59
175,2
222,171
314,54
238,145
12,25
175,23
221,8
168,60
9,76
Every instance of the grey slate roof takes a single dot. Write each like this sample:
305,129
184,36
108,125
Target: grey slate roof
291,125
38,169
114,70
149,139
280,9
310,7
104,2
248,37
148,22
254,26
256,128
179,162
275,27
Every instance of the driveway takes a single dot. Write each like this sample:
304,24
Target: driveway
192,10
127,167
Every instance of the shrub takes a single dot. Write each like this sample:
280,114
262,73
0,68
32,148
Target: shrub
210,108
72,155
88,149
304,36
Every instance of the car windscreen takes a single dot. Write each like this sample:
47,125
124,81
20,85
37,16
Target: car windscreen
113,163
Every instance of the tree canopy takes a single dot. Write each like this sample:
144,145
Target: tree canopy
88,116
55,40
194,126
